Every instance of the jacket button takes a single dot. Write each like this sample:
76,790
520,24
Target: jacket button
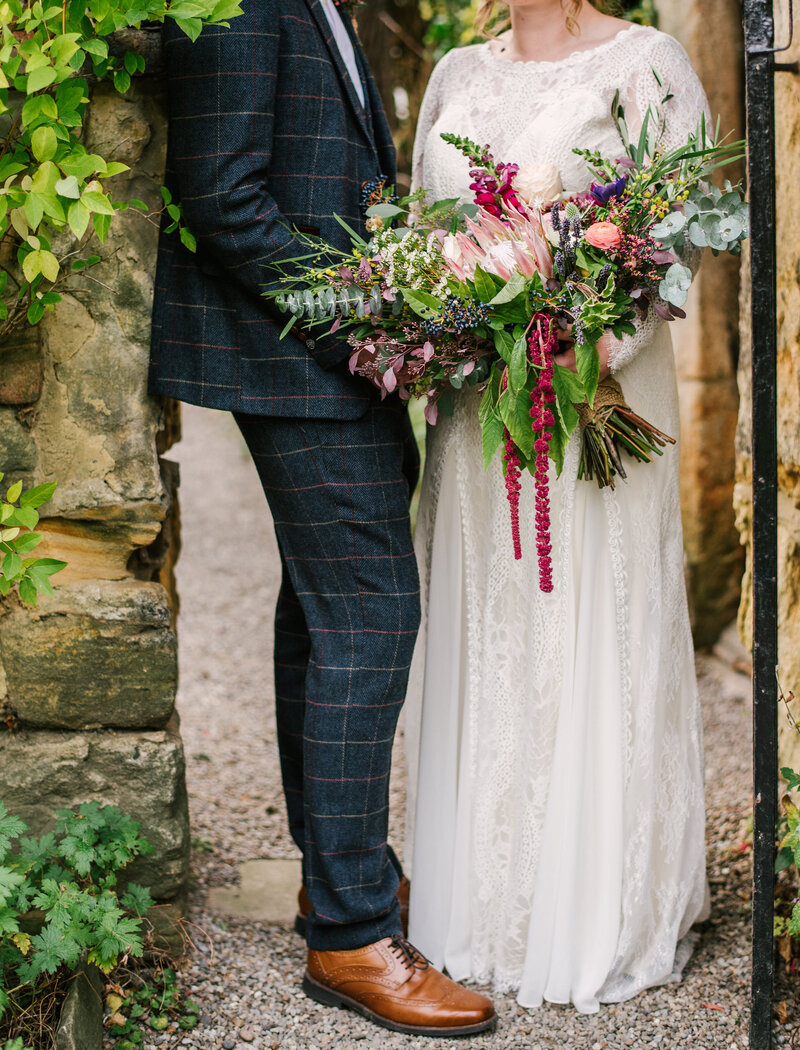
310,344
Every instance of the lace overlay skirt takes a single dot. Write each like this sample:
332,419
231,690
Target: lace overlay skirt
556,813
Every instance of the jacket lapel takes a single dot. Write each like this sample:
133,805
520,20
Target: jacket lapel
336,56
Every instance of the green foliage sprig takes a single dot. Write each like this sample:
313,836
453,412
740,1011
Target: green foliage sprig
19,517
787,861
53,194
66,879
145,1002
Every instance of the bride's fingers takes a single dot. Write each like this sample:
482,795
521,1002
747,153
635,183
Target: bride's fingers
566,358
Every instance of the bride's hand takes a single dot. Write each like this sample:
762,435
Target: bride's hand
566,357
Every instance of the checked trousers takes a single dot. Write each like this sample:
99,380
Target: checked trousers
345,626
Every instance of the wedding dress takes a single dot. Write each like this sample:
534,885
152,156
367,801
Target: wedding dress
556,811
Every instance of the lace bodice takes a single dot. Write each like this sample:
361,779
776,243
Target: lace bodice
538,112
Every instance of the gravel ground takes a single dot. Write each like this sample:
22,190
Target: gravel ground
247,974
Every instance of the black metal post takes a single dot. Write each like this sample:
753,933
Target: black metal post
759,39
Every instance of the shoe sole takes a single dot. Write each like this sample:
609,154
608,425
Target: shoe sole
321,994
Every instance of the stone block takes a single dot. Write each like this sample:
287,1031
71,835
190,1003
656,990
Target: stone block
140,772
80,1026
95,654
17,448
21,372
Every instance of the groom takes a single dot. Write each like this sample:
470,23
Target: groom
275,124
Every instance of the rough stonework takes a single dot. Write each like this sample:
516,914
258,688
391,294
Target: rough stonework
142,773
787,106
90,676
706,343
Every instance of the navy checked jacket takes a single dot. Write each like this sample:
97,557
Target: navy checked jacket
266,132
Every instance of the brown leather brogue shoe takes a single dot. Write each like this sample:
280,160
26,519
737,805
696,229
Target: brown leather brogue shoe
394,985
304,907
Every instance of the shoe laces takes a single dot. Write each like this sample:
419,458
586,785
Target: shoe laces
408,954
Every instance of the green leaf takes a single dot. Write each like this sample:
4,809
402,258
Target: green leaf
48,566
38,495
35,312
558,446
510,290
49,266
518,369
38,109
515,413
40,78
190,26
27,592
569,392
385,211
44,143
32,266
188,239
97,202
23,516
102,224
98,48
115,167
11,566
28,542
68,187
14,491
10,828
122,81
78,218
504,344
485,287
492,430
422,303
34,209
588,362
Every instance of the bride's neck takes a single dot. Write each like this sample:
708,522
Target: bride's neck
539,30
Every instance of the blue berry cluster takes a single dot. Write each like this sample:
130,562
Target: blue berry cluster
459,315
373,192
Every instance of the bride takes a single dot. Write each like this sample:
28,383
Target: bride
556,817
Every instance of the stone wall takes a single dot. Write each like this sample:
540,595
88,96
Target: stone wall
89,678
787,105
707,343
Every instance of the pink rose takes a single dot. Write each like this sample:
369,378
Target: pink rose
604,235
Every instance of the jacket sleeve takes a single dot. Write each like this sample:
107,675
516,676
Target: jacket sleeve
222,101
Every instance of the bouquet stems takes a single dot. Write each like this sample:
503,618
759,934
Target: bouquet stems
608,428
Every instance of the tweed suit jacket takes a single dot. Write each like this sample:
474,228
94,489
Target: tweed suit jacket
266,133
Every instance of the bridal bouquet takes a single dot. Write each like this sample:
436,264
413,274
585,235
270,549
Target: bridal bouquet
447,294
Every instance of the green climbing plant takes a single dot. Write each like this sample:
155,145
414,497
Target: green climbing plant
19,516
60,900
55,200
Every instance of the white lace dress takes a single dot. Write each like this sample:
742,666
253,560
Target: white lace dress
556,813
